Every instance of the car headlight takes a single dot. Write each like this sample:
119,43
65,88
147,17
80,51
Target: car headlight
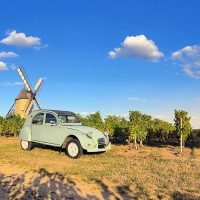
105,134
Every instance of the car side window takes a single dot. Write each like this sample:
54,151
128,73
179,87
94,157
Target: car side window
38,119
50,119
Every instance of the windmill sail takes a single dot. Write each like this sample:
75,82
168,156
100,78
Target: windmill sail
24,102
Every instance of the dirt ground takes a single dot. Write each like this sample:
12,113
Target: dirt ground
122,173
18,183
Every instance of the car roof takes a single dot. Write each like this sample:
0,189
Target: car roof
58,112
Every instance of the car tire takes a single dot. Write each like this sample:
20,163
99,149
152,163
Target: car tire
26,145
73,148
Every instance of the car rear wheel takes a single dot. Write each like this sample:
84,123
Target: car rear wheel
73,148
26,145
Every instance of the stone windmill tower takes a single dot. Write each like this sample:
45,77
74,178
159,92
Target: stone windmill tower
24,102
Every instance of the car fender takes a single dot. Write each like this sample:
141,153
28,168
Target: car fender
81,137
25,134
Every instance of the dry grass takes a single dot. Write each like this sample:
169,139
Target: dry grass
123,172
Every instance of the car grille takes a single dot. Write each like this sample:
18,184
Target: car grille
101,143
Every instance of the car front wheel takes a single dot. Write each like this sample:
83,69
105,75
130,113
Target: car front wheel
26,145
73,148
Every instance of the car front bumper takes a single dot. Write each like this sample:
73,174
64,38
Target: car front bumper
96,149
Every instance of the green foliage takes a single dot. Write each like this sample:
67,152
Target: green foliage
93,120
186,126
11,125
139,125
116,126
142,126
162,129
112,123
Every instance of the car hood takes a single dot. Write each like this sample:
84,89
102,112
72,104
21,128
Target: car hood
86,129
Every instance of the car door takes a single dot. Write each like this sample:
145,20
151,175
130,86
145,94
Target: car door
51,130
37,127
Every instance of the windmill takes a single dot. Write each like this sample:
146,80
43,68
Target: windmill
24,102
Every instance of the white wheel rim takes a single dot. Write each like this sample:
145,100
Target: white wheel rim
72,149
24,144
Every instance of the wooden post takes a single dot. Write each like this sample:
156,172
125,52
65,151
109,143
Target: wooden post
181,139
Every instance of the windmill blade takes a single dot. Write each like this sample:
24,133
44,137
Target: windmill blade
30,105
38,85
38,104
21,73
10,111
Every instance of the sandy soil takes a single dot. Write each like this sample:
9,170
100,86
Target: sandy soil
18,183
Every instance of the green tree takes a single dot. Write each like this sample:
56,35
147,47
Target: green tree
93,120
183,126
112,123
162,129
117,127
2,125
11,125
139,125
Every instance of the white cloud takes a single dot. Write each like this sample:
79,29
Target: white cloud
137,47
41,47
9,84
9,54
189,59
137,99
84,114
159,116
167,118
123,115
12,67
195,122
20,39
3,66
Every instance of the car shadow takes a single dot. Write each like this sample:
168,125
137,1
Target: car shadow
61,150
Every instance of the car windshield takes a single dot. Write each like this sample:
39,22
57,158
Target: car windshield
68,119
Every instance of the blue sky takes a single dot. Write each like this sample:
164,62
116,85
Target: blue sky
111,56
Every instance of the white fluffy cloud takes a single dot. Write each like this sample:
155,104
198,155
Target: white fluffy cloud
9,54
137,99
3,66
20,39
189,58
137,47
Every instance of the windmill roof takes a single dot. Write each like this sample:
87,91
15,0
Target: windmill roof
24,94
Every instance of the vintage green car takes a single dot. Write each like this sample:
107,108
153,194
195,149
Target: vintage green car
62,129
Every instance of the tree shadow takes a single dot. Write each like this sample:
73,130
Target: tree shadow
193,142
106,193
161,144
125,192
122,192
44,186
184,196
